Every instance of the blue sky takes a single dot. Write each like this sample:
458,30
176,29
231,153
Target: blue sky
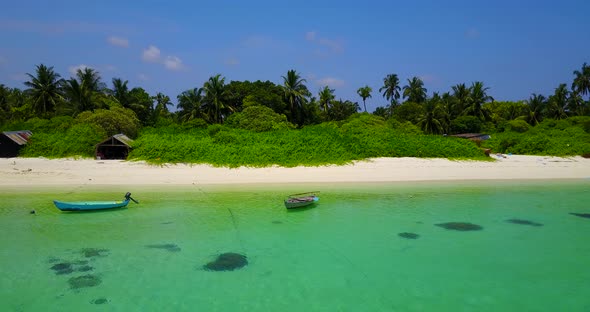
515,47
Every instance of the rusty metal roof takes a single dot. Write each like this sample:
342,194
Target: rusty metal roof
119,137
469,135
123,138
20,137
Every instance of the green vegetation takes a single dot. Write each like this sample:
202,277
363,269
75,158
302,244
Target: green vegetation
360,137
260,123
550,137
78,140
259,119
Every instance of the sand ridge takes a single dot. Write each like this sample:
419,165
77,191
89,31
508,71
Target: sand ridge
68,171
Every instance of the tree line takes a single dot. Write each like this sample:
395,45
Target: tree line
463,108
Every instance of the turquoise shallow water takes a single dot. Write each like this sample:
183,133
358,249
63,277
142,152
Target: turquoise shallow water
344,254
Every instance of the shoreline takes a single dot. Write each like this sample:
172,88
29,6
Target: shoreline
23,172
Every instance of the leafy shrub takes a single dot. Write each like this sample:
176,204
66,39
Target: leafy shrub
364,121
113,121
466,124
197,123
357,138
404,127
37,125
213,129
226,137
258,118
409,111
78,140
490,127
519,126
547,138
582,121
549,124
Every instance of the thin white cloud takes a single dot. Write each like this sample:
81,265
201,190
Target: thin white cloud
143,77
258,41
232,61
332,45
110,68
173,63
74,69
330,82
19,77
472,33
151,54
428,78
61,27
118,41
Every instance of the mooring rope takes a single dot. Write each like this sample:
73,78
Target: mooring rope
237,230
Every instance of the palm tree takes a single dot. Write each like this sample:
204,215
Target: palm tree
45,88
391,89
581,83
364,92
78,96
557,107
415,91
343,109
326,96
120,92
446,108
382,112
90,79
430,122
4,104
214,90
3,95
83,92
295,93
576,104
478,96
162,103
535,107
142,104
189,104
462,95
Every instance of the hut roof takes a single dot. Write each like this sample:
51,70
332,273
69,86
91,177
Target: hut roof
471,135
119,137
20,137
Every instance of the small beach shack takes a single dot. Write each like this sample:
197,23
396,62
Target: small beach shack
12,141
477,138
473,136
115,147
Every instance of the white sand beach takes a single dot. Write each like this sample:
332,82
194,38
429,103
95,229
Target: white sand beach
55,172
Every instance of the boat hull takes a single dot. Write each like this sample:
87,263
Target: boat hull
90,205
299,202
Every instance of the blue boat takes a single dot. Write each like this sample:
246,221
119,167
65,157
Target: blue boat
94,205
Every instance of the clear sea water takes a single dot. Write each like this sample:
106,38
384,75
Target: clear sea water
344,254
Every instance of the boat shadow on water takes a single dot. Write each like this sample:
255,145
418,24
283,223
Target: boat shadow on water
97,211
301,209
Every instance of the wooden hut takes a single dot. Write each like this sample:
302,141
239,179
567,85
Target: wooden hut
473,136
12,141
115,147
477,138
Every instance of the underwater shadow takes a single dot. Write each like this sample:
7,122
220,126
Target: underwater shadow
300,209
94,211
